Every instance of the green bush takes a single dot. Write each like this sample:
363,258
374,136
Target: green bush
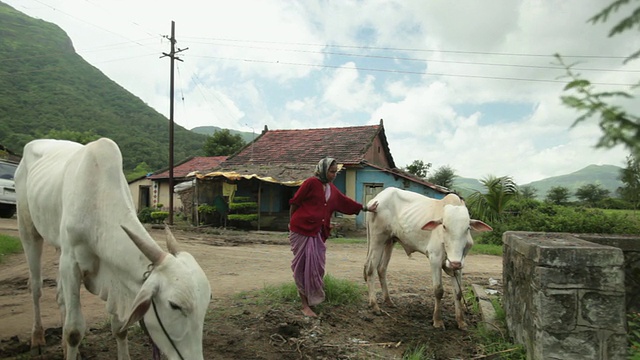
243,217
556,218
206,209
614,203
159,216
144,215
243,207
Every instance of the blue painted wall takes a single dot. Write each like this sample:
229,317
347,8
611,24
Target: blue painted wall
371,175
275,197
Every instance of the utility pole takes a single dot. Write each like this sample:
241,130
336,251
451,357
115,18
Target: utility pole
173,57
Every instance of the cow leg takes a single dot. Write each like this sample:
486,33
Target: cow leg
438,290
374,256
32,243
456,282
382,272
121,338
74,323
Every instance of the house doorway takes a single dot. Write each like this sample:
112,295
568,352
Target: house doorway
371,190
144,196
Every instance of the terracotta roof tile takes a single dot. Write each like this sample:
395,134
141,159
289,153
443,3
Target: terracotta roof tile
199,163
347,145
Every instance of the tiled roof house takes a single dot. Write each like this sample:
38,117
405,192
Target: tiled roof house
290,156
196,163
151,190
349,145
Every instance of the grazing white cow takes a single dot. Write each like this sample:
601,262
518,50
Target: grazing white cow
76,198
439,229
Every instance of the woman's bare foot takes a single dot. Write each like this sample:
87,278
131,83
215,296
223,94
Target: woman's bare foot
308,312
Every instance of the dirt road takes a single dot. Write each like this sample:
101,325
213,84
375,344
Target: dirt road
233,261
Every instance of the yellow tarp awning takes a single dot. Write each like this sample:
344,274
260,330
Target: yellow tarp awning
232,175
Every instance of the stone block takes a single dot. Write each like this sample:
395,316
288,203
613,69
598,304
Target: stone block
555,310
562,250
560,346
603,310
578,276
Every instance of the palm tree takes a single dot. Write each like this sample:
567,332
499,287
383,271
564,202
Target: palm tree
490,207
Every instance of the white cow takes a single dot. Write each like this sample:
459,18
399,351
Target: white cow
76,198
439,229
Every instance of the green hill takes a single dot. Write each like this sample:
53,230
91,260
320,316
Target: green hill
45,86
209,130
467,186
605,175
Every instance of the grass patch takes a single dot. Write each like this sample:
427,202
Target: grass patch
418,353
348,240
496,344
486,249
337,292
477,249
9,245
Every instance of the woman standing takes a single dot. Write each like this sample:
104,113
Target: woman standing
309,227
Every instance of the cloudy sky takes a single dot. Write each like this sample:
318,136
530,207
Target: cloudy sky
469,84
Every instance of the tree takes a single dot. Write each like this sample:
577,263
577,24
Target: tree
443,176
491,206
141,170
222,143
591,194
418,168
630,177
558,195
528,192
618,126
84,137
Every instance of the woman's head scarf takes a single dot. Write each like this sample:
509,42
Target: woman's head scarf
323,167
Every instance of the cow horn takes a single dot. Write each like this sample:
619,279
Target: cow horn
172,243
153,253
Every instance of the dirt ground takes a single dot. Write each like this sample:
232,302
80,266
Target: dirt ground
241,327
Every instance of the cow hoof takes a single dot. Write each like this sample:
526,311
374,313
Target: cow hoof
389,303
438,324
37,350
463,326
376,310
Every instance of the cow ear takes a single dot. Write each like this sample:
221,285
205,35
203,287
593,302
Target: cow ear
478,225
431,225
141,305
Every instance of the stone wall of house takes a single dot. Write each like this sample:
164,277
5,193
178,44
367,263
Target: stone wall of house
564,297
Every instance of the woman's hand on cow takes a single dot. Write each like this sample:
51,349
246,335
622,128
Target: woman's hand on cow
371,208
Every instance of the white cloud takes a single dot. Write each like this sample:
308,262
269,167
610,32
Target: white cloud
443,69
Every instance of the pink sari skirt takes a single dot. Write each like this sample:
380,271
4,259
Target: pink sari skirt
308,266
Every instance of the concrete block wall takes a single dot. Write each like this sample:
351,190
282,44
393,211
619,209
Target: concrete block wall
630,246
564,297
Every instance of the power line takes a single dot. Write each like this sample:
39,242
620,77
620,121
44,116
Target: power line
396,58
277,62
409,49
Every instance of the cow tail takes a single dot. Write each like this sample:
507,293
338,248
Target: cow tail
368,231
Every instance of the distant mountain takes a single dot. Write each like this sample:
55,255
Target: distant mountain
209,130
45,87
604,175
467,186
